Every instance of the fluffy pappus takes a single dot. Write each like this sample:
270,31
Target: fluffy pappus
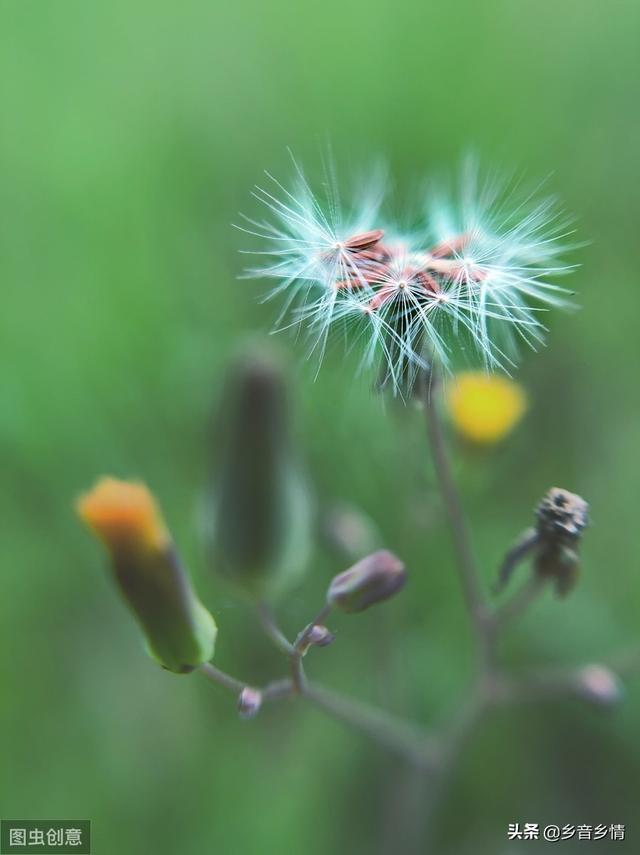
476,269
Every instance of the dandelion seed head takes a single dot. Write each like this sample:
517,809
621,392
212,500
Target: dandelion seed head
479,268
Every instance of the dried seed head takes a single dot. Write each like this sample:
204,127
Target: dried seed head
557,561
562,515
249,702
553,544
372,580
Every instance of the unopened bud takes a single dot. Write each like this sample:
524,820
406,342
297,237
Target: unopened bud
600,685
249,702
320,636
179,631
372,580
261,515
314,635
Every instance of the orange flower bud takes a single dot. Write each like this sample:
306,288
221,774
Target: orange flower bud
180,632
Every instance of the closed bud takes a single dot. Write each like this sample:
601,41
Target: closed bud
260,530
249,702
320,636
180,633
372,580
600,685
314,635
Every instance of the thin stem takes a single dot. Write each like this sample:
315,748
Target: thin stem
273,691
272,630
547,684
394,732
300,648
298,677
397,734
521,550
518,604
221,678
466,563
277,690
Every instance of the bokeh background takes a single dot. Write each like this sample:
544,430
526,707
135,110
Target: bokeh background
131,135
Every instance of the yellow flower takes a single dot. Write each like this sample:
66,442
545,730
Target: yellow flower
485,407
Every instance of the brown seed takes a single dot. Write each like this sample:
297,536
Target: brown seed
373,272
378,253
428,282
365,240
386,293
449,247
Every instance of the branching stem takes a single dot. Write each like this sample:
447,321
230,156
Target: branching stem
271,629
433,757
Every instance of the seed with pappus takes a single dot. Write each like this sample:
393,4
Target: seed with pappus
474,275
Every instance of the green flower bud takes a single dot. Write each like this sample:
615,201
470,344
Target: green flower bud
180,633
260,534
372,580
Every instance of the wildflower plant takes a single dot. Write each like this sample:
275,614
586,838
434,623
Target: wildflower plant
479,268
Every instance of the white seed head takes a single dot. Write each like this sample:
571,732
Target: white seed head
477,270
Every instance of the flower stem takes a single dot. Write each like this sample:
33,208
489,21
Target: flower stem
396,733
221,678
467,570
300,648
271,629
518,604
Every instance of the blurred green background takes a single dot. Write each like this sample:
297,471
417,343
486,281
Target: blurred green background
131,135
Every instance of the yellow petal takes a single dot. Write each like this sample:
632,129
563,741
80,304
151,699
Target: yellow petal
485,407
